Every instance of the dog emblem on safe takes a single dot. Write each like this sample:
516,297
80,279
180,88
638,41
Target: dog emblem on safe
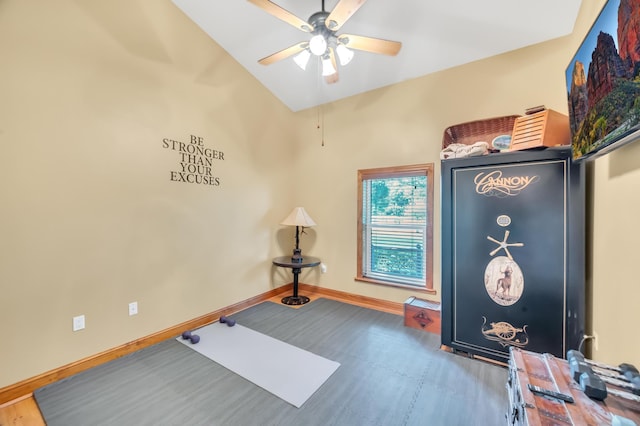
503,281
505,333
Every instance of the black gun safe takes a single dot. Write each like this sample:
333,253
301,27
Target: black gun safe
513,261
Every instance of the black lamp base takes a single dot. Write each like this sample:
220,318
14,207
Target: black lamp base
297,256
295,300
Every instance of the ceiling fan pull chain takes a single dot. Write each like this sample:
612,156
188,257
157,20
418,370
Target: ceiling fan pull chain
320,123
322,118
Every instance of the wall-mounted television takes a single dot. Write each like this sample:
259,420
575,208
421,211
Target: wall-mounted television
603,82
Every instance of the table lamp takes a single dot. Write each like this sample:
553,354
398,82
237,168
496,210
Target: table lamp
298,218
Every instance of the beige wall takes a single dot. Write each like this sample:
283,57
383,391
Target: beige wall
90,218
91,221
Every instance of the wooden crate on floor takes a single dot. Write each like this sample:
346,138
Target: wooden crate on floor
422,314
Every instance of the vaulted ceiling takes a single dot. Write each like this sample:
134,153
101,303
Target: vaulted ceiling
435,35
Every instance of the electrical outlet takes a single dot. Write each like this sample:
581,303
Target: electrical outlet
323,268
133,308
595,340
78,323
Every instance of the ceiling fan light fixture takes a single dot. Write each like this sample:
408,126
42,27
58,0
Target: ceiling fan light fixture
302,59
327,66
345,55
318,45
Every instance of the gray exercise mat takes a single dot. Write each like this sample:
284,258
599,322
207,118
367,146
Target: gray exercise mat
286,371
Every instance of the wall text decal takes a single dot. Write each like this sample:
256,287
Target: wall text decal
196,161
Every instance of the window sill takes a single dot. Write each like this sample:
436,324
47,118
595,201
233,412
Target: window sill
397,285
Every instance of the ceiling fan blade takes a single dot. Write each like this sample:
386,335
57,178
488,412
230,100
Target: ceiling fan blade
282,14
342,12
284,53
333,78
370,44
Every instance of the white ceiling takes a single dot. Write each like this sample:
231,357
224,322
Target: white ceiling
435,35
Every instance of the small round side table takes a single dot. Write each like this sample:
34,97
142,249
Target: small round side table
296,267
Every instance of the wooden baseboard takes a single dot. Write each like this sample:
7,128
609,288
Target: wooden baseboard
15,401
26,387
369,302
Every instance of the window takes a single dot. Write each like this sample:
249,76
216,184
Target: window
395,226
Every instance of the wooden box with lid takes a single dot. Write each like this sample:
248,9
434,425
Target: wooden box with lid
422,314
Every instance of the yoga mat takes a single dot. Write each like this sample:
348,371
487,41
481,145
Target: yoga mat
290,373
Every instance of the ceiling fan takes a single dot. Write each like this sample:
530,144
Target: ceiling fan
325,43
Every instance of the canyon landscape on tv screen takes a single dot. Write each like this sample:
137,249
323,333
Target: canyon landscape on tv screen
603,82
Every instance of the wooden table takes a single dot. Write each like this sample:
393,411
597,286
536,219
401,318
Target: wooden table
296,268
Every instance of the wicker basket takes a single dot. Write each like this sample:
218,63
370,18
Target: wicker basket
480,130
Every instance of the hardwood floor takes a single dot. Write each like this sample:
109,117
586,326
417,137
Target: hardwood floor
24,411
21,412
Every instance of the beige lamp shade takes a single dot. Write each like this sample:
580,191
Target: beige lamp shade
298,217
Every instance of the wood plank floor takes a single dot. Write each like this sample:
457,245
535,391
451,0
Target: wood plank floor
21,412
24,411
